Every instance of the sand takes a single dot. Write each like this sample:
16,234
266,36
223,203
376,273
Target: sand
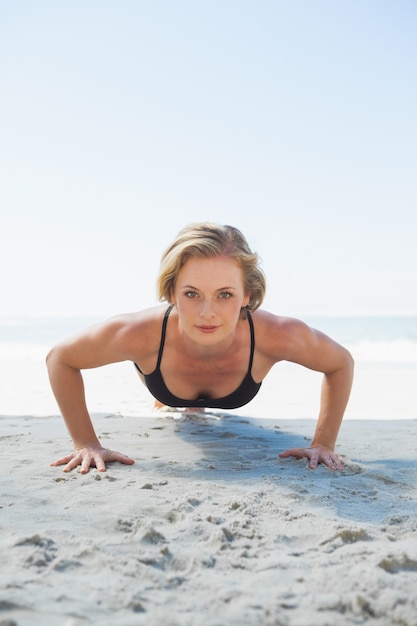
209,527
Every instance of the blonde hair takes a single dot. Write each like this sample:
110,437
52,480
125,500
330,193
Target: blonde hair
203,240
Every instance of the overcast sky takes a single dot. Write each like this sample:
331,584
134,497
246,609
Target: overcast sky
123,121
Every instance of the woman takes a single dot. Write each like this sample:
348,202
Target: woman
210,347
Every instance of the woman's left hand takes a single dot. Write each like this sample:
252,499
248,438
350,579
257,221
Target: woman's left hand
316,455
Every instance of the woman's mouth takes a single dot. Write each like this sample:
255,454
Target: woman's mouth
207,329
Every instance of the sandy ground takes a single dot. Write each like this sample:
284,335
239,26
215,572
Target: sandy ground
209,527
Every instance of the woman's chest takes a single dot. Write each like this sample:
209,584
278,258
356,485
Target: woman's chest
214,377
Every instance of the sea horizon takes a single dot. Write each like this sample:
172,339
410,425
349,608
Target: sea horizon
384,348
379,337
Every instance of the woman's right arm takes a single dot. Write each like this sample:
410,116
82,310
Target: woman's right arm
97,346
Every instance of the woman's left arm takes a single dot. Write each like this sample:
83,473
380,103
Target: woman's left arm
313,349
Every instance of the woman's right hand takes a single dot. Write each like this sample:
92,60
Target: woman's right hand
91,456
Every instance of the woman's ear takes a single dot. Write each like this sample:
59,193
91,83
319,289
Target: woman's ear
246,300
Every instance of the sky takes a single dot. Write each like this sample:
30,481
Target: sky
123,121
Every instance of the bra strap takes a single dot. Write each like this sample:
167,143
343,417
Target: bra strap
163,334
252,340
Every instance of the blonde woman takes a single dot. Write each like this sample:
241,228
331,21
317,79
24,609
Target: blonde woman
208,345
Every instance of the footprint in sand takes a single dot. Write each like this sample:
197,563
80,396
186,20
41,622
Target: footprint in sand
344,537
395,564
44,550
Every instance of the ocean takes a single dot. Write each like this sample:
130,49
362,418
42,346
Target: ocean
390,339
384,349
378,339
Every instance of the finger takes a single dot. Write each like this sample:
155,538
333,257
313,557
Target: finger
314,460
328,461
62,461
333,463
118,456
338,463
296,452
75,460
99,463
85,464
126,460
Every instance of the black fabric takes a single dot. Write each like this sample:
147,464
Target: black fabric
246,391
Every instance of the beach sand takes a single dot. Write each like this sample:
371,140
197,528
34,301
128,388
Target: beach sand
209,527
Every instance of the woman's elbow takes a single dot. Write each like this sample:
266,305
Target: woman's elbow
349,362
49,356
53,358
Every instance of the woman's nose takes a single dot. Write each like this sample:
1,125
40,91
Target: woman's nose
207,309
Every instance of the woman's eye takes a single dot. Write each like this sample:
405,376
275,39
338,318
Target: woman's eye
191,294
225,295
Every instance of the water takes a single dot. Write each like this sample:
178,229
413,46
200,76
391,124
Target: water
378,339
41,331
384,349
375,339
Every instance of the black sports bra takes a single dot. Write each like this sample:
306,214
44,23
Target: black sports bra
246,391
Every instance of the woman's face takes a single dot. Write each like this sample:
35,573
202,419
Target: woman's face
209,295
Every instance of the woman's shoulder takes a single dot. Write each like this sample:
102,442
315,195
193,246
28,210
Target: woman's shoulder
265,321
119,338
276,334
142,316
143,322
129,333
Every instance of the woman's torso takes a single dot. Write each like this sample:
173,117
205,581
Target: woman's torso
222,377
